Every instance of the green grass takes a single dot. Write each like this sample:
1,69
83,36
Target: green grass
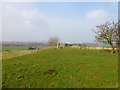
14,48
15,53
62,68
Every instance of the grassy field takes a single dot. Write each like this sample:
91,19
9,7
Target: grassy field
14,48
15,51
62,68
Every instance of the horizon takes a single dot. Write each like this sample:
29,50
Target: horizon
1,42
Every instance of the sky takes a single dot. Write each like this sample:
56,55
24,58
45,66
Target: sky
70,21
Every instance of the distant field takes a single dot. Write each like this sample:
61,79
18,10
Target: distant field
62,68
14,48
14,51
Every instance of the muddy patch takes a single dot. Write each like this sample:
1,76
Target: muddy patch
83,54
51,72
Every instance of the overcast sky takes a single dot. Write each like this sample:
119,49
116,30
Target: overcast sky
70,21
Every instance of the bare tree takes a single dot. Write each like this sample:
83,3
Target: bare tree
119,36
108,33
53,41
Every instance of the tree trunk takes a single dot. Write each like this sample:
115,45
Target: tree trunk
118,49
113,49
